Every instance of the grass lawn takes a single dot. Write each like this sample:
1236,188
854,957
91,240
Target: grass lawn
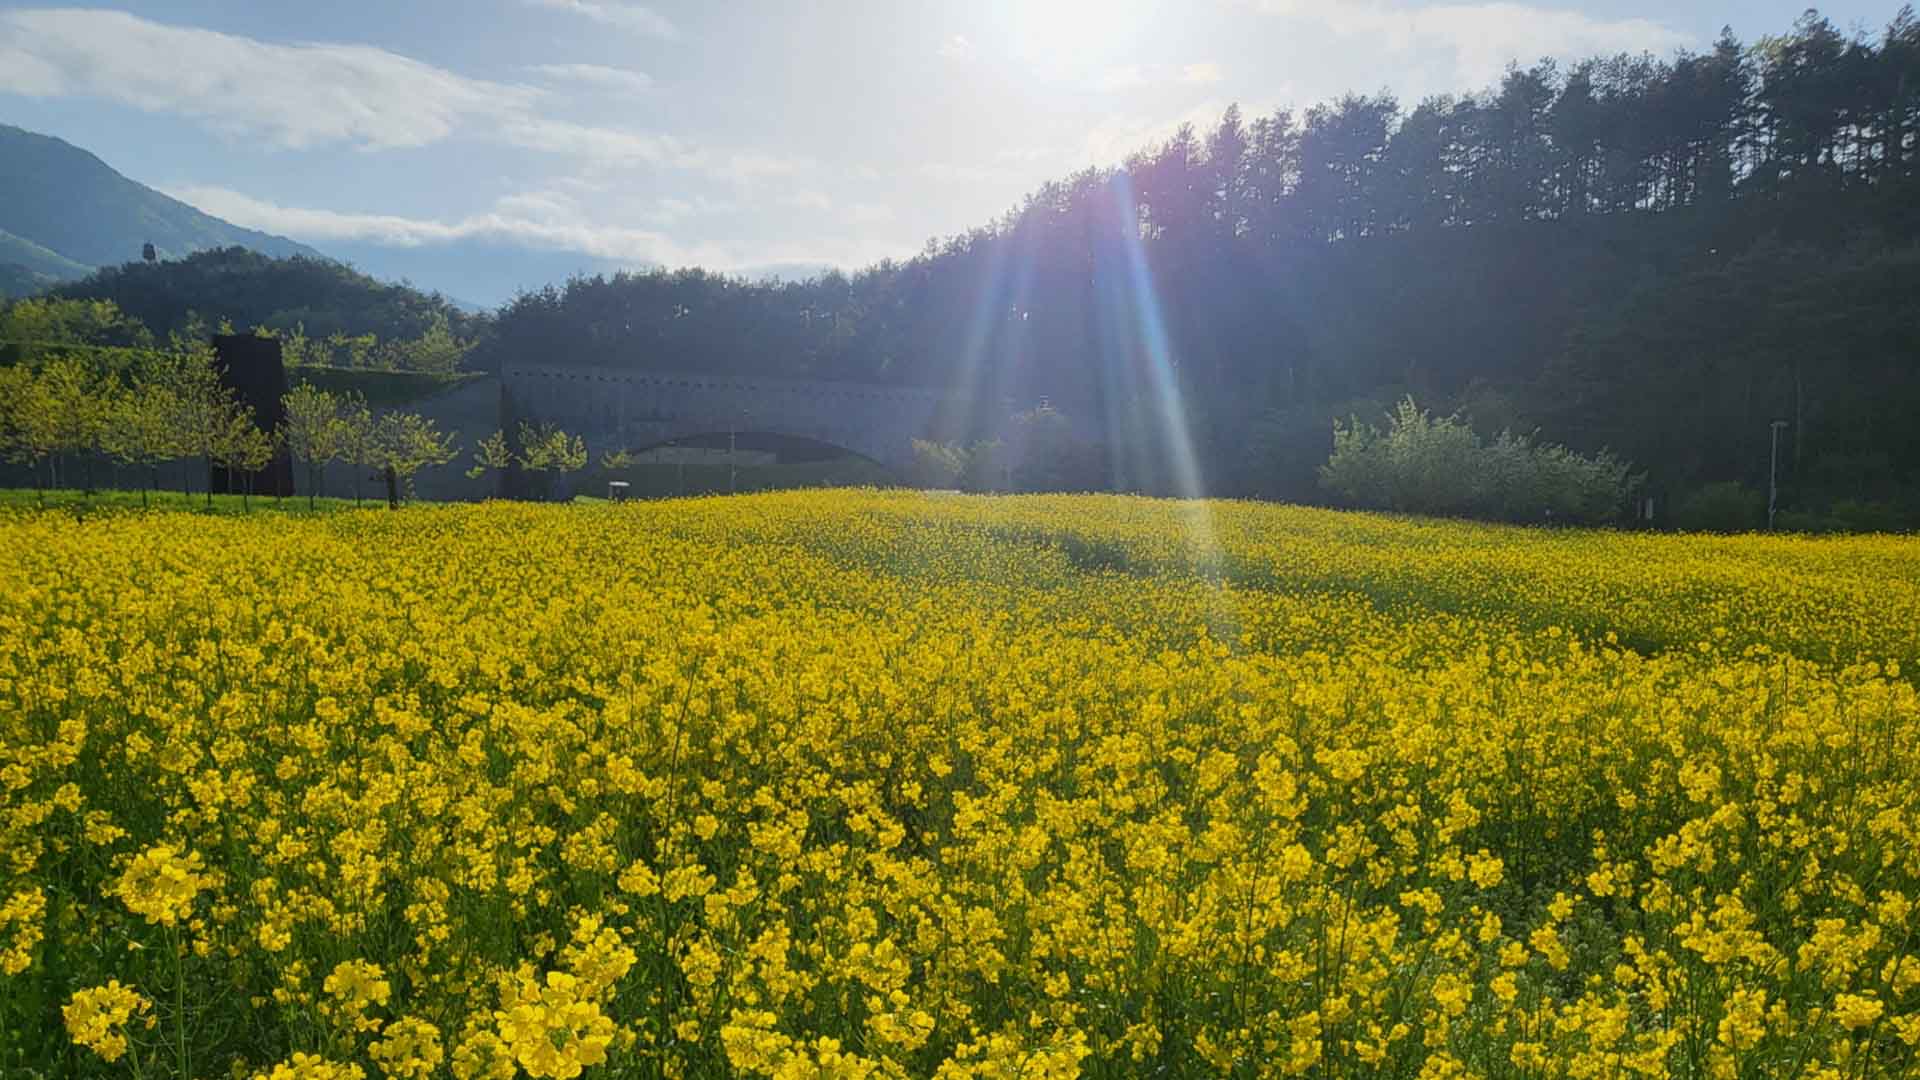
110,501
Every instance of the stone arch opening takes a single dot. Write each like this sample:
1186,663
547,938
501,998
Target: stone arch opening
751,459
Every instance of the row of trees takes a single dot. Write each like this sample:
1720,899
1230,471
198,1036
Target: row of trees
436,351
1654,255
74,406
1657,255
146,408
161,407
539,449
1035,450
38,326
321,428
1812,109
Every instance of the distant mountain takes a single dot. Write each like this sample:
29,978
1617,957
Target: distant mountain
18,280
64,212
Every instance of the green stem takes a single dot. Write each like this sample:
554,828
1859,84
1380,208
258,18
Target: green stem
179,1001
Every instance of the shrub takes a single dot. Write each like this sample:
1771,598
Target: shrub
1723,507
1864,515
1424,465
1852,516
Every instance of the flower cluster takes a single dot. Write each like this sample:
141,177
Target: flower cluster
160,883
877,784
97,1018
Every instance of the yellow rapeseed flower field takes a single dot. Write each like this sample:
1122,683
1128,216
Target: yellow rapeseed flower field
862,784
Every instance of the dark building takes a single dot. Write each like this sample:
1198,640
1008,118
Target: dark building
252,368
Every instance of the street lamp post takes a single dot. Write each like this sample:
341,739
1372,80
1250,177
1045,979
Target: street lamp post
733,462
1773,473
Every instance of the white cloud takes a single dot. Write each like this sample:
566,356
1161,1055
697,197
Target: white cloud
1126,77
293,95
616,13
1134,76
306,95
538,220
956,47
546,220
1478,40
615,80
24,73
608,146
805,200
746,166
867,213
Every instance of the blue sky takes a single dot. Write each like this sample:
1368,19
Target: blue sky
479,146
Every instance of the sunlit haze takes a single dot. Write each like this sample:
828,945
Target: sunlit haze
551,136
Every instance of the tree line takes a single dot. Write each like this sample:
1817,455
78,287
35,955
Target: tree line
145,409
323,312
1653,255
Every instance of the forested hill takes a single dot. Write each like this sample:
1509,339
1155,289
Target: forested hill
63,212
315,296
1657,255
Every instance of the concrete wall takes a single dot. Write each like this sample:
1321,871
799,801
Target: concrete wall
616,408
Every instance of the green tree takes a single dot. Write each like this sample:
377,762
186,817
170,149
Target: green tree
42,326
937,464
146,431
492,454
437,349
547,448
359,446
569,456
241,447
70,394
103,428
28,431
203,404
313,431
404,444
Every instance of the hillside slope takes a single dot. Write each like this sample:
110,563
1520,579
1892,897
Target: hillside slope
63,212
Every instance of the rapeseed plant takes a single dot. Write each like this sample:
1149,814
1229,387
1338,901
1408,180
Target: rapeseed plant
865,784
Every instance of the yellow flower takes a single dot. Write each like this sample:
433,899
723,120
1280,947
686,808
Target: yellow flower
1486,869
408,1048
21,920
304,1066
597,957
97,1018
483,1056
1854,1011
554,1030
1453,993
862,783
357,983
1745,1023
160,884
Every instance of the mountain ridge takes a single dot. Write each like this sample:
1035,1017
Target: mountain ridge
64,212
